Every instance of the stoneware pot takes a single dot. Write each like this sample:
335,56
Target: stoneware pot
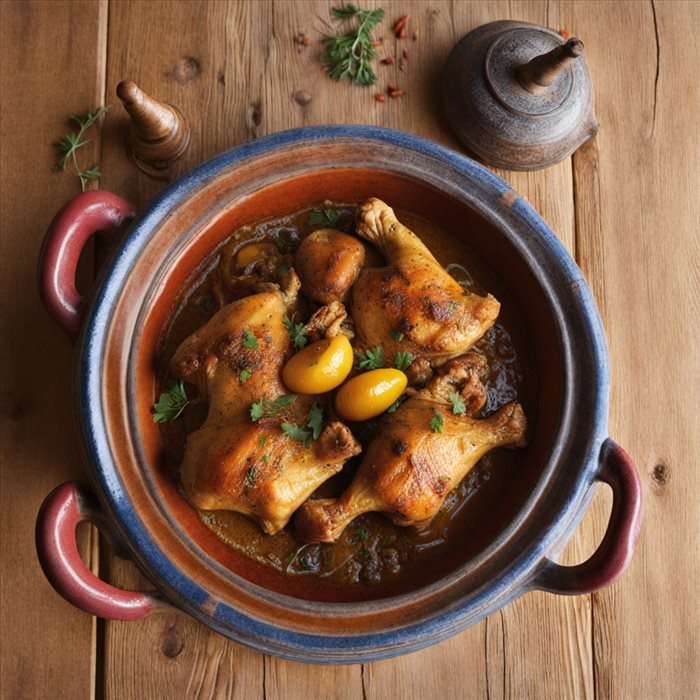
117,332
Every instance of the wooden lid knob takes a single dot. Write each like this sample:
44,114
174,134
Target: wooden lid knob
160,133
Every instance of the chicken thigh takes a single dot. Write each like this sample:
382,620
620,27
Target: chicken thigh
413,304
421,454
232,462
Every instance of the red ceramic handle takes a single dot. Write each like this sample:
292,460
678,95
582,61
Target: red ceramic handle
56,546
83,216
615,551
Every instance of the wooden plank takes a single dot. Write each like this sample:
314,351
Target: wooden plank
48,646
641,245
202,71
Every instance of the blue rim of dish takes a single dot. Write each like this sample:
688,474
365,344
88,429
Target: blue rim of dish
186,592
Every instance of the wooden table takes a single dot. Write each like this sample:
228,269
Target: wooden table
625,205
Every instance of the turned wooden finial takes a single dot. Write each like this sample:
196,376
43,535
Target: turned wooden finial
542,70
160,133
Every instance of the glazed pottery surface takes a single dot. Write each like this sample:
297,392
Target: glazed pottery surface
568,451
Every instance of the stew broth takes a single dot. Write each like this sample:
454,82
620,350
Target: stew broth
371,552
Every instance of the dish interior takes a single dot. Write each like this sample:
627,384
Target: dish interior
455,232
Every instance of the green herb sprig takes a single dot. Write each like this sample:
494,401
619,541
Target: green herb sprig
370,359
403,360
309,432
459,408
170,404
349,55
74,141
266,408
328,218
297,332
437,422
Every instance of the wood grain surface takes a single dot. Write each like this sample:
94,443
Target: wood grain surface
625,205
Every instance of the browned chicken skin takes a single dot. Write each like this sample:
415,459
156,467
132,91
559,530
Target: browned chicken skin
413,295
328,262
232,463
408,470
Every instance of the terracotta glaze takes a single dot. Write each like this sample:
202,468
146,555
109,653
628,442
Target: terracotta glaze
568,451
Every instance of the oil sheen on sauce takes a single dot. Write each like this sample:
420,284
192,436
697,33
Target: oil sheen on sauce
372,552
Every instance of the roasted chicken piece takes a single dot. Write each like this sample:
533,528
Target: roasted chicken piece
231,462
421,453
328,262
413,304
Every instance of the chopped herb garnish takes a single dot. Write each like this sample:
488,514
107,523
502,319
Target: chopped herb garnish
398,336
297,332
360,535
396,404
458,406
436,422
282,269
370,359
315,420
349,55
250,476
265,458
250,341
328,218
244,375
262,441
170,404
308,433
403,360
298,432
452,305
267,408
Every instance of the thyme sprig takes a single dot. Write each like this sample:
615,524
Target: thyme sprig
74,141
349,55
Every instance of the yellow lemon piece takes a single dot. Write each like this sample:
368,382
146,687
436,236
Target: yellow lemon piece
369,394
252,252
320,367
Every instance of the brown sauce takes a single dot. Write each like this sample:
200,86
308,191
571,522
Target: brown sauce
372,551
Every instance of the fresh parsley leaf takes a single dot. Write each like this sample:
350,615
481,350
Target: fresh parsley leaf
267,408
299,433
265,458
262,441
436,422
458,406
244,375
297,332
370,359
308,433
315,420
403,360
250,341
170,404
327,218
396,335
250,476
349,55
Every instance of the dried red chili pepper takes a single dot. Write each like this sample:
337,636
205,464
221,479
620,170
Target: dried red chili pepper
387,61
379,97
400,24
